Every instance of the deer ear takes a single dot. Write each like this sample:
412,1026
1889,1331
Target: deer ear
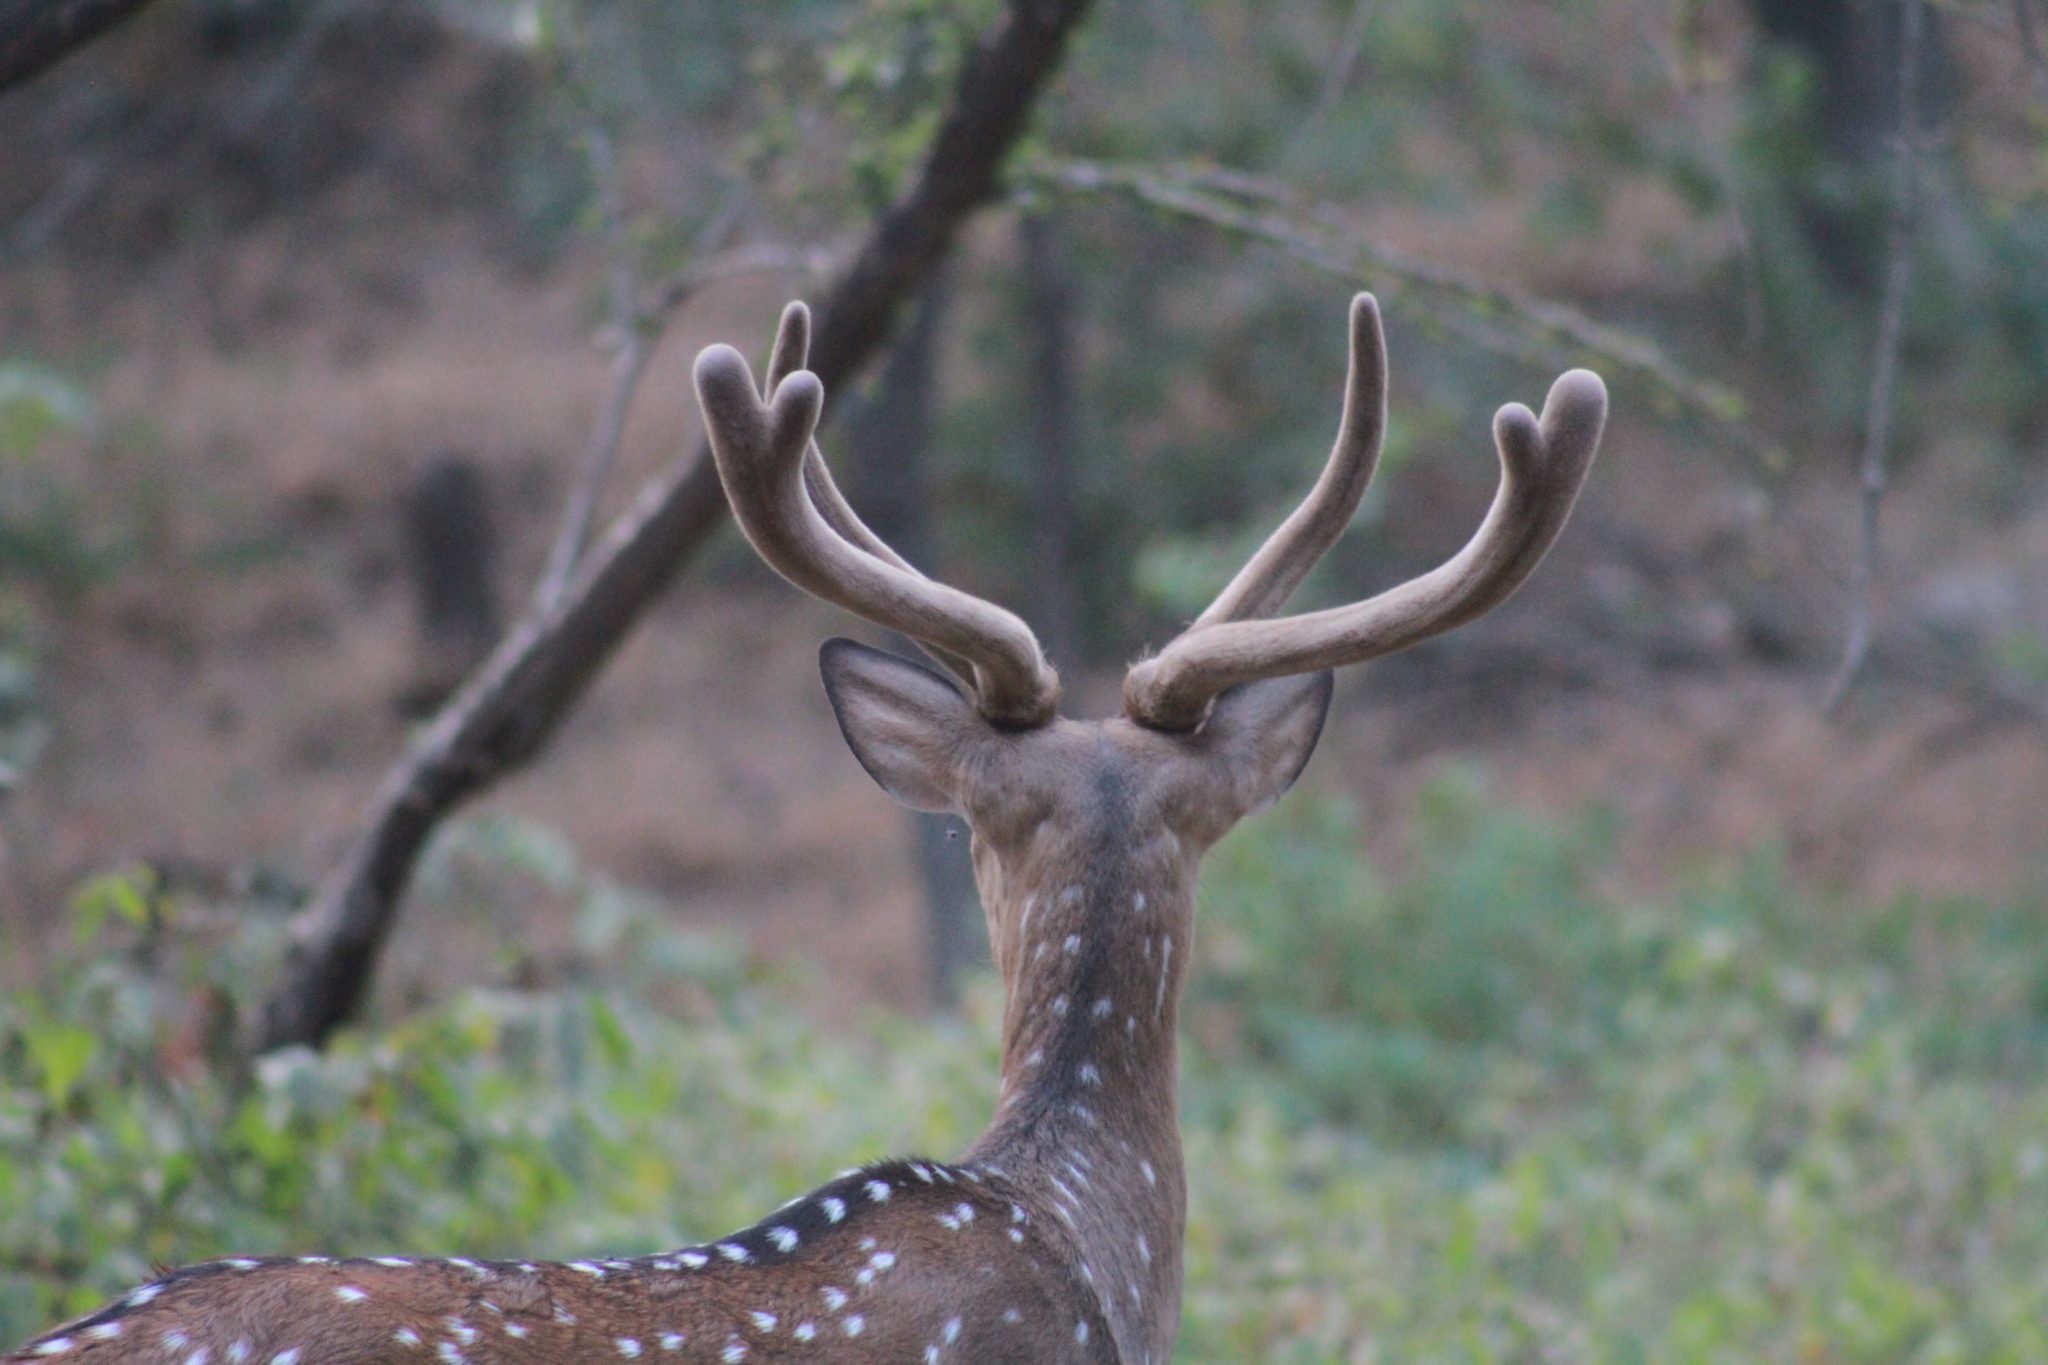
906,724
1262,734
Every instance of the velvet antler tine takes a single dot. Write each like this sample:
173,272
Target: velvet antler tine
791,350
1270,577
1543,466
761,452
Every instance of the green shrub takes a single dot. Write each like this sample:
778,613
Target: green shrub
1490,1110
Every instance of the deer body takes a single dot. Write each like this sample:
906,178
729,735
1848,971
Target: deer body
1057,1237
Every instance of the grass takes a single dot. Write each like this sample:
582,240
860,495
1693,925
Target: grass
1488,1111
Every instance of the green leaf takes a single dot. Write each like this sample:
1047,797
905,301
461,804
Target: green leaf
62,1053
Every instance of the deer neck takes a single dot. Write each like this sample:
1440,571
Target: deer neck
1088,1118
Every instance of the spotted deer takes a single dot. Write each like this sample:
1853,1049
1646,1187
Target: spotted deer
1056,1236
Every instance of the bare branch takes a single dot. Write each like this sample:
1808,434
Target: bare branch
506,713
1343,64
37,34
1872,467
1496,316
2027,25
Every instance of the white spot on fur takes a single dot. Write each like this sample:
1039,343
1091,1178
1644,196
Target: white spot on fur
1081,1332
671,1341
1103,1007
348,1293
290,1357
628,1347
804,1331
835,1209
835,1297
785,1239
405,1336
878,1190
734,1252
763,1321
1151,1176
854,1325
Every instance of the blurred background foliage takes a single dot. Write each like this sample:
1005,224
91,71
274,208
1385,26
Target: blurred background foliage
1486,1099
1490,1110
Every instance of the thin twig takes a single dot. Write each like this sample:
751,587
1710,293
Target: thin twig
1496,316
2030,39
634,328
1898,275
629,366
1343,66
634,344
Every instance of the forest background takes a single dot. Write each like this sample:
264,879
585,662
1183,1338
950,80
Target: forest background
1655,971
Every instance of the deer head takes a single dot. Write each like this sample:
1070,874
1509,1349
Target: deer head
1087,835
1057,1236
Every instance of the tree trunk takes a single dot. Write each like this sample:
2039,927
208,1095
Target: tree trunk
452,557
1048,309
1851,49
888,444
506,714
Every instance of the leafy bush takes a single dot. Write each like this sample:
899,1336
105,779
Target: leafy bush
1491,1110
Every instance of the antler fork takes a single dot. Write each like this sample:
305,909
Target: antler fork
1544,463
793,514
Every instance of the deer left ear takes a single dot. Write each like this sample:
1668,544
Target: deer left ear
1262,734
906,724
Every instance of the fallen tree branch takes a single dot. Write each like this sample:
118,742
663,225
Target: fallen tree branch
1496,316
507,712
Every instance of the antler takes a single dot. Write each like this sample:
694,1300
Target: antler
793,514
1543,466
792,348
1270,577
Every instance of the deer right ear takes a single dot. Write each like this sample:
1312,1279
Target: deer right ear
906,724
